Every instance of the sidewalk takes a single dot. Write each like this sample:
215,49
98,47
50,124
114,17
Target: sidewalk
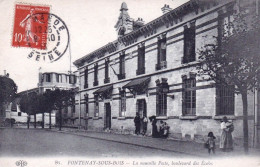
186,148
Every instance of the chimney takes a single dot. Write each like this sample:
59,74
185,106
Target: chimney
4,72
166,9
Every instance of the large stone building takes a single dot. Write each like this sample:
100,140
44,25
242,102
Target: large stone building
151,69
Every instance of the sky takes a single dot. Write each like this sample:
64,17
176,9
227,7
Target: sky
90,24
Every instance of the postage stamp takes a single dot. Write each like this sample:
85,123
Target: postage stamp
46,33
30,29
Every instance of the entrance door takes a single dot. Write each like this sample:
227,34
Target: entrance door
141,109
108,116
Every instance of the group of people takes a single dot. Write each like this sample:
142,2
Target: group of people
140,122
161,130
226,141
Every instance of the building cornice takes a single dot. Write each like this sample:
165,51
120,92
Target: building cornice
149,30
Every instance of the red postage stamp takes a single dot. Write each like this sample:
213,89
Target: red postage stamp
30,26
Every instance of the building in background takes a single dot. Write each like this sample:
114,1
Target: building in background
47,81
50,81
150,69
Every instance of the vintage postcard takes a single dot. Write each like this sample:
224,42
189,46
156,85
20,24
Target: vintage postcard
169,83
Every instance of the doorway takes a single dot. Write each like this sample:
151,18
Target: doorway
107,116
141,109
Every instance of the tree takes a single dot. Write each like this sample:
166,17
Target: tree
8,90
47,105
62,99
30,104
233,59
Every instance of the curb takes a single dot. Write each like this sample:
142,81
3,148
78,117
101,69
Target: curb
139,145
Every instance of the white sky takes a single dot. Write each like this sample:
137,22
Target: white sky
90,23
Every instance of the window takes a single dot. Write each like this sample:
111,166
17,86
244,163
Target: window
161,99
86,78
48,77
57,78
60,77
122,105
96,106
161,104
122,66
107,79
189,97
72,79
225,27
95,83
225,99
19,114
86,100
189,43
161,56
141,61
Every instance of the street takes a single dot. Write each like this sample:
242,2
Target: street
38,142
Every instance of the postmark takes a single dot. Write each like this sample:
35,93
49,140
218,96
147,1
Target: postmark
48,36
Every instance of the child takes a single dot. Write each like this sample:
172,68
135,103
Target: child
211,142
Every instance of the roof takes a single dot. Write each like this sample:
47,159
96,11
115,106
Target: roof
137,82
36,90
103,89
172,15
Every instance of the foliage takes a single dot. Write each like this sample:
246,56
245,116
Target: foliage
234,59
8,89
29,103
63,98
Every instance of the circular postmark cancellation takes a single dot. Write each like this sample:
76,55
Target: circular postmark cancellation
45,33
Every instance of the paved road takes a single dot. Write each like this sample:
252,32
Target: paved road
38,142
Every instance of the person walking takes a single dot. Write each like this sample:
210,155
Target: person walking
137,122
226,141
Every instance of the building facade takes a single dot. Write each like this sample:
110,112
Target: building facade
151,70
50,81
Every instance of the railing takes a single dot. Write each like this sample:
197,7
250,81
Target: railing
140,71
161,65
107,80
121,76
95,83
187,59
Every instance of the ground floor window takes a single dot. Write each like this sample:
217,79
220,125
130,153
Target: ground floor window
96,106
161,97
225,99
161,100
122,104
189,96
